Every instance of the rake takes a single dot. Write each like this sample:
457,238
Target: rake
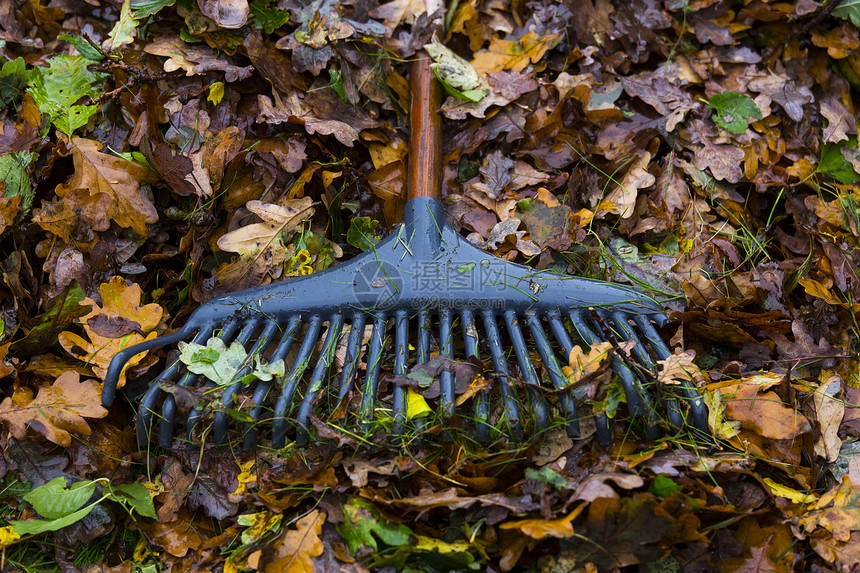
413,289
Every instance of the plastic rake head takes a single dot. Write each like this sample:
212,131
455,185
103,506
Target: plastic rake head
423,291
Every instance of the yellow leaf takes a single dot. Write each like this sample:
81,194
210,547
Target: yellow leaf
416,405
8,536
790,494
540,528
582,364
720,427
818,290
245,477
216,93
514,55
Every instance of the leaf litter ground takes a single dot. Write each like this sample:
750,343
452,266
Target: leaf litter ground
161,153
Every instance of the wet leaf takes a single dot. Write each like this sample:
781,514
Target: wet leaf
734,111
295,550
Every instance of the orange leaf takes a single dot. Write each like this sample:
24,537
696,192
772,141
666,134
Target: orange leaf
104,327
56,410
540,528
299,546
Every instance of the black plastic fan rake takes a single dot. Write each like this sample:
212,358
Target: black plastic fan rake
427,285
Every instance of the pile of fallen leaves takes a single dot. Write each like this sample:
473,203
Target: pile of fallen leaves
157,153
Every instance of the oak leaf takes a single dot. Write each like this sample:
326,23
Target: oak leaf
106,188
121,304
749,402
56,410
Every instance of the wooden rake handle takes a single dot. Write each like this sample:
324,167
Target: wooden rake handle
424,174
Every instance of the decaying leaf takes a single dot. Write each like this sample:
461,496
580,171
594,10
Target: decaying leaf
295,550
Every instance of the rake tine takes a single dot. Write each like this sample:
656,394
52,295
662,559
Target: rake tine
146,410
229,396
250,440
227,332
401,353
512,410
423,358
316,383
353,351
638,402
446,399
558,380
482,398
673,410
698,412
627,333
279,420
374,359
528,370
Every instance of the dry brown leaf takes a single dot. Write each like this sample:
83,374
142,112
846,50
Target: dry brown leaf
758,410
106,188
231,14
194,58
118,300
829,410
297,547
56,410
596,486
622,199
680,368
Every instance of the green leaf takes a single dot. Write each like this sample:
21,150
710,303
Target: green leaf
734,111
36,526
362,233
335,82
136,496
54,501
13,173
456,75
362,525
662,486
13,80
84,47
834,165
143,8
268,370
122,33
268,18
215,361
848,10
548,476
465,268
58,88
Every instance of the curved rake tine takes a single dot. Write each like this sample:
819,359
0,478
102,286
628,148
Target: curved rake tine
558,379
222,417
146,409
374,360
697,413
482,397
401,353
512,410
279,420
638,402
226,334
335,325
528,370
120,359
250,440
